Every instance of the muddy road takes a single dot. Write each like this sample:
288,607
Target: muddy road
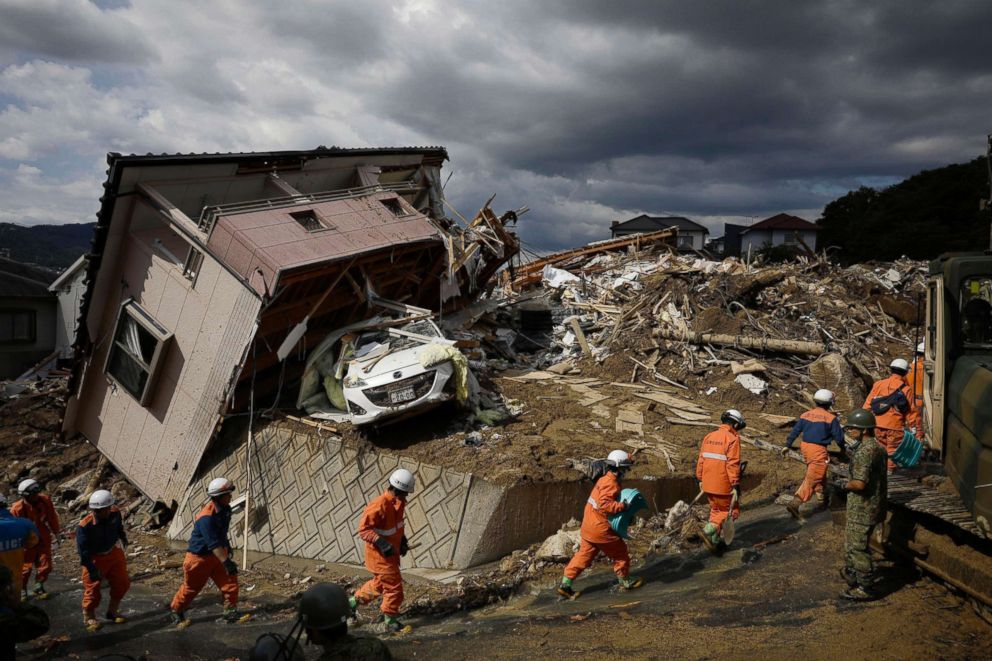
774,594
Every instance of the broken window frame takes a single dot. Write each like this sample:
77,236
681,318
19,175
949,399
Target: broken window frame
8,321
131,311
312,216
193,264
395,206
684,241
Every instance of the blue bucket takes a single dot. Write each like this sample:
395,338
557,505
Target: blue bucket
622,520
909,451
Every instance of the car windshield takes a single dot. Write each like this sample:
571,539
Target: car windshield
976,313
366,341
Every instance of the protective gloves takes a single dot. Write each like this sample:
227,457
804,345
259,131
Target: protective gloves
384,547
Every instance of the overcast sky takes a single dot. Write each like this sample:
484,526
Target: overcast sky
585,111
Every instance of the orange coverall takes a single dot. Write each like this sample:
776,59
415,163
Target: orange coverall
718,469
915,382
889,426
383,518
98,547
596,534
200,564
43,515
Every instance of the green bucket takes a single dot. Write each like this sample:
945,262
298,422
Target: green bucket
909,451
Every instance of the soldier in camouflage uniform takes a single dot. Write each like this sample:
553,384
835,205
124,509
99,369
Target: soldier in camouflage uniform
323,614
866,503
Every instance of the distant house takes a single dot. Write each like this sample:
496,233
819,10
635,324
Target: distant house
69,288
779,230
27,317
732,239
716,246
692,235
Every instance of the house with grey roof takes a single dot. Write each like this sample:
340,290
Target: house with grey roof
692,235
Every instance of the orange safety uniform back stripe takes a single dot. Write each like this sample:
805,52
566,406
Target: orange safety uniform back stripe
719,465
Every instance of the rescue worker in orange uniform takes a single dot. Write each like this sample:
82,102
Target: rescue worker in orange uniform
97,538
382,529
208,556
38,509
718,471
891,402
596,534
915,382
17,535
818,427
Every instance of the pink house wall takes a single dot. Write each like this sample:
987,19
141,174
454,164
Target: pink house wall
159,445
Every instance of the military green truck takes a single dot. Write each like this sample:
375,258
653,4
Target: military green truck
957,380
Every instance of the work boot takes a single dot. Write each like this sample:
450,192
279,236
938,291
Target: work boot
354,619
629,583
857,593
178,619
114,612
565,589
386,624
793,508
709,533
39,591
849,577
90,622
232,616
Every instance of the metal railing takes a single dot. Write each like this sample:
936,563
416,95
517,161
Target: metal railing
210,214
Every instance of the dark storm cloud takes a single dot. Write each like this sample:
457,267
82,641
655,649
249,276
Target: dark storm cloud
71,31
584,110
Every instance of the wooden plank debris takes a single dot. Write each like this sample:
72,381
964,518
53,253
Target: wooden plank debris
580,336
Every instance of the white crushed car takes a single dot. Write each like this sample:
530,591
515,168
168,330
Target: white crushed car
375,371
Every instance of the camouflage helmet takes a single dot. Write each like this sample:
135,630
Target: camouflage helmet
860,419
324,606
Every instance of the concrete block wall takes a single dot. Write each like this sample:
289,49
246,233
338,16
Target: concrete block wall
309,491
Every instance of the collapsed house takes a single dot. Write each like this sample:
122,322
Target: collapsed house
213,277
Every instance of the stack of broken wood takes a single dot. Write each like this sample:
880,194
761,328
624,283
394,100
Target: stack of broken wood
690,322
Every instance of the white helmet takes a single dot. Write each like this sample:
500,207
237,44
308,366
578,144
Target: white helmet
28,487
899,365
402,480
921,348
619,459
823,396
219,486
735,416
101,499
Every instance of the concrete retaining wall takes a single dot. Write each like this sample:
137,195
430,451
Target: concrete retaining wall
309,492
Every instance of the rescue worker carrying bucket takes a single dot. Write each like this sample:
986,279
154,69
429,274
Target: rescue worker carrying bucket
597,535
718,471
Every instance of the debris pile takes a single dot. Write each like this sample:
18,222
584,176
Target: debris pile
731,328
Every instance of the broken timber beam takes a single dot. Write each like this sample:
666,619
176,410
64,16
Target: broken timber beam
767,344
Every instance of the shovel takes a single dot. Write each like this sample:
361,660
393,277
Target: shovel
727,529
301,328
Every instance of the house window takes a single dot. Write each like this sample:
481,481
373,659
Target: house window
137,350
194,260
17,326
792,238
308,220
976,313
684,241
394,205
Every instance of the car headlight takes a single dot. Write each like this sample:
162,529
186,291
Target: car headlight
354,382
